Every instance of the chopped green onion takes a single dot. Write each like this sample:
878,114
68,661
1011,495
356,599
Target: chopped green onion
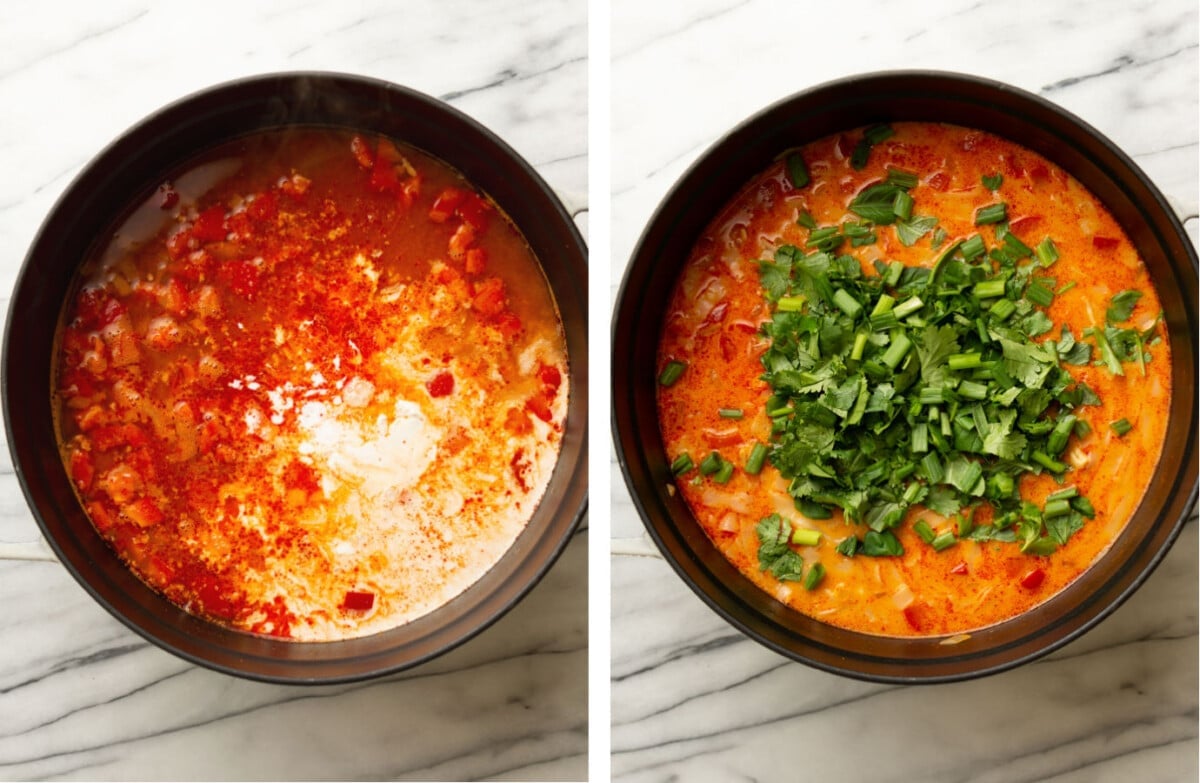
860,344
1066,287
1120,426
1015,246
944,540
965,361
896,351
754,463
671,372
922,529
1056,508
797,170
1066,493
972,391
682,464
711,464
806,536
920,438
846,303
1002,309
1039,293
1060,434
989,289
790,304
992,181
932,465
724,473
908,307
892,278
814,576
878,133
806,220
992,213
1047,253
1048,462
1082,429
902,179
903,205
964,524
973,248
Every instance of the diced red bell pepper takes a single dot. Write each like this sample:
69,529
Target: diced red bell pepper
440,385
960,568
490,297
1033,579
538,407
1105,243
358,601
82,470
476,262
445,204
550,376
475,211
210,225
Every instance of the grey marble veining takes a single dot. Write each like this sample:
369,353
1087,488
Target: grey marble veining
81,697
694,700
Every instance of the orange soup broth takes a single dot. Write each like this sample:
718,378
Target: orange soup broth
712,324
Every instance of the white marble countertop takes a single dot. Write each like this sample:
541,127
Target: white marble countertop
693,699
81,697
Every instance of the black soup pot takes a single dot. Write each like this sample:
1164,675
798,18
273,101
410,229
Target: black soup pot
713,180
124,174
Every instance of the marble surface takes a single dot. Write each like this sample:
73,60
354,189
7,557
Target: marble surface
692,699
83,698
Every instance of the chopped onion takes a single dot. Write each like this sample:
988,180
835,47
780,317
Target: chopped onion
729,523
903,597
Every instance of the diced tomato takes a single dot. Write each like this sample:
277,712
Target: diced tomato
516,421
1025,223
461,241
179,244
939,181
916,615
445,204
100,516
358,601
82,470
1039,172
144,512
960,568
301,475
278,620
96,309
490,297
264,207
476,262
362,151
174,297
241,276
1105,243
475,211
550,377
111,436
1033,579
440,385
210,225
538,407
509,324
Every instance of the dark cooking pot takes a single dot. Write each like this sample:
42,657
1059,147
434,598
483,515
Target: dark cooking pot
713,180
125,173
